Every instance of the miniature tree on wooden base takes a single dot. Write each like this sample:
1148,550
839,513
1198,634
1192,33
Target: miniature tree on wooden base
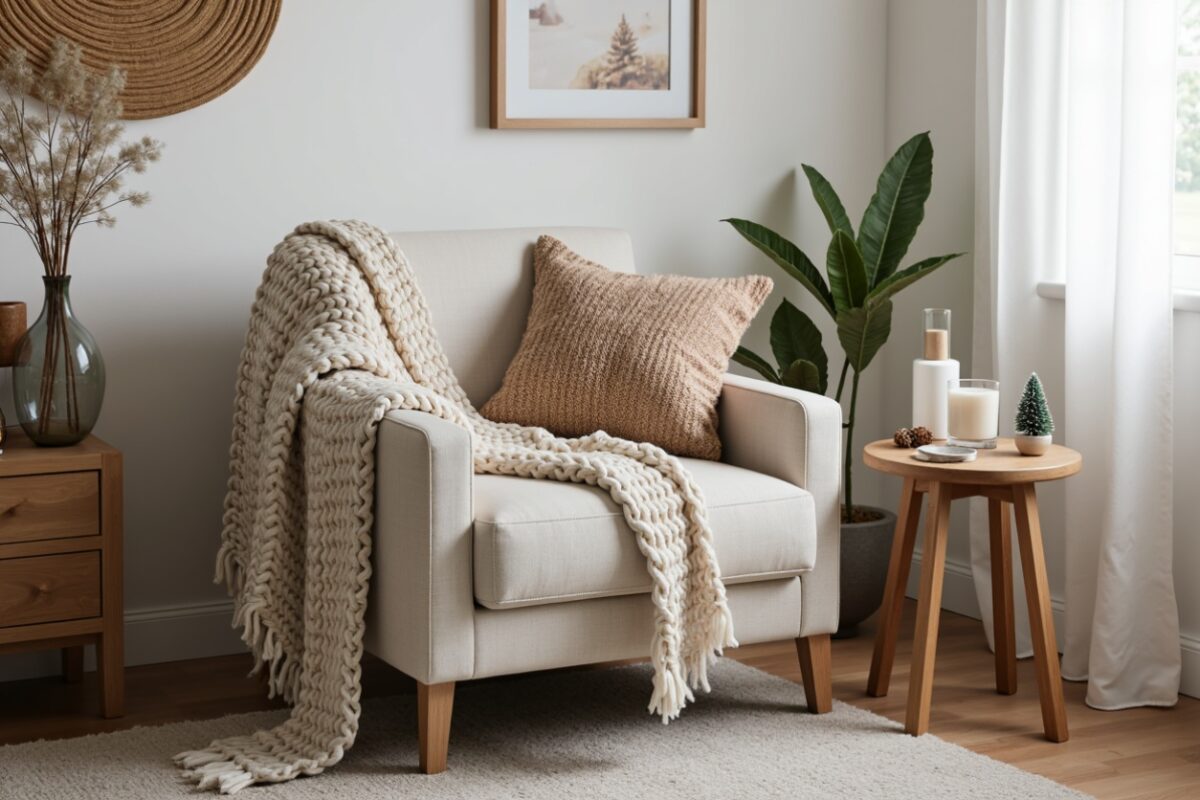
1033,415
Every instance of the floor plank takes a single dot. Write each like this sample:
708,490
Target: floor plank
1138,754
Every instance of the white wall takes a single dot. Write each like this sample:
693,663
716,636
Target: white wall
931,69
931,86
378,110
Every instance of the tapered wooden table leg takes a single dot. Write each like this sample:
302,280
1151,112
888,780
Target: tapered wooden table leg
893,593
1041,622
1003,625
929,606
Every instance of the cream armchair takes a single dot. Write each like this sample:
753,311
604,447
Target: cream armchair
483,575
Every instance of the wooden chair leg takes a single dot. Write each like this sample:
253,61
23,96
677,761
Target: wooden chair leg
893,593
816,667
435,705
1041,622
929,606
1003,625
72,664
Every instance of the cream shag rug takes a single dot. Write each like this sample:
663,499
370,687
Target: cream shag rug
563,735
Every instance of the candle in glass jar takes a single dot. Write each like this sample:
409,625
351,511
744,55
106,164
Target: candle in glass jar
974,411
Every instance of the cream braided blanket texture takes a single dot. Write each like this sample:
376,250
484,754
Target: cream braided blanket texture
340,331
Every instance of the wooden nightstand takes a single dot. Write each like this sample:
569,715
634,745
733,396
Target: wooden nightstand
60,557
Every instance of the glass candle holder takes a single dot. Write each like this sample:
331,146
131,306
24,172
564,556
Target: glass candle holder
974,413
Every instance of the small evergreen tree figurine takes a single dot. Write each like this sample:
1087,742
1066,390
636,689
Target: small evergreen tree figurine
1033,418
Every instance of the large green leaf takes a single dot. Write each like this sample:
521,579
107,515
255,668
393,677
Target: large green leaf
847,273
804,374
897,208
904,277
862,331
748,358
828,201
795,338
788,256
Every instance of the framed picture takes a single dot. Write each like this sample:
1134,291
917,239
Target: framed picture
598,63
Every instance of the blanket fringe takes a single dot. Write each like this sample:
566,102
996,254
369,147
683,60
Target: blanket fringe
211,769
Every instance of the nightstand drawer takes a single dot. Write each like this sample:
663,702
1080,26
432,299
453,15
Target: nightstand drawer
49,588
35,507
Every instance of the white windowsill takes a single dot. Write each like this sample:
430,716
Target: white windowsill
1185,299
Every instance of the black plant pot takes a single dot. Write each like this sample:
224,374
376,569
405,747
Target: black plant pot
866,548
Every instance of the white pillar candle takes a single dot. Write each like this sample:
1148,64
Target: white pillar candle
974,413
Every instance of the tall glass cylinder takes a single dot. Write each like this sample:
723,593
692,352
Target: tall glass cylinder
937,334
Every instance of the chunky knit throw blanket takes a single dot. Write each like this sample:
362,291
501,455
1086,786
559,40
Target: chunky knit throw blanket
340,335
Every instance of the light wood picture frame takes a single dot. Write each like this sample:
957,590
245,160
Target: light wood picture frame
519,100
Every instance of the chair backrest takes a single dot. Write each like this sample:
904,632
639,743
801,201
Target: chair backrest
479,285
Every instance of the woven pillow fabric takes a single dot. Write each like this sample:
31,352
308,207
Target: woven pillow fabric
638,356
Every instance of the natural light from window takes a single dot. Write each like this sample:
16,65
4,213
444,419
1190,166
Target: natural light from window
1187,151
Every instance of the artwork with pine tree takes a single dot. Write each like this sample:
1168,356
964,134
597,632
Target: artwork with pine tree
1033,414
599,44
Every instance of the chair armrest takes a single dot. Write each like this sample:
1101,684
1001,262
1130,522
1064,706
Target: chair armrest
797,437
420,613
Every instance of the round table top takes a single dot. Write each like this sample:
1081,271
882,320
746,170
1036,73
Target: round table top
1001,466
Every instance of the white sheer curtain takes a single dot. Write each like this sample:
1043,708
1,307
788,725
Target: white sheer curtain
1075,167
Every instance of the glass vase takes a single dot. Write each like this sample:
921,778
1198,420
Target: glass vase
58,377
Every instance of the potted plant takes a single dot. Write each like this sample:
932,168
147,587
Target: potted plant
863,271
62,167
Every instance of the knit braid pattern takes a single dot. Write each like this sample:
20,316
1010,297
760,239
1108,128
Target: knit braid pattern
339,336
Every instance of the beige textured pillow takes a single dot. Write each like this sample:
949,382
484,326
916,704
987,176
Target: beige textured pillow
638,356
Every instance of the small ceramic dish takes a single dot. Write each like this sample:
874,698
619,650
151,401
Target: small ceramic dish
944,453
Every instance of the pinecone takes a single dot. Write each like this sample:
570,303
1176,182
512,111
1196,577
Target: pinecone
921,436
903,437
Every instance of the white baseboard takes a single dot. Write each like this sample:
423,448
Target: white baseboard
152,635
1189,684
958,595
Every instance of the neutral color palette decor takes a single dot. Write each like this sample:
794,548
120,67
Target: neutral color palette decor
1007,481
598,64
62,166
60,558
177,54
352,340
641,357
570,734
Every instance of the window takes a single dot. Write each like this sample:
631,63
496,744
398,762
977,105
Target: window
1187,150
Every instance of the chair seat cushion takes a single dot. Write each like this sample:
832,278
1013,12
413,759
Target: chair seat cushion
541,541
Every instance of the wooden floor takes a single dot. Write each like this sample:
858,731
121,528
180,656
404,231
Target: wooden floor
1140,753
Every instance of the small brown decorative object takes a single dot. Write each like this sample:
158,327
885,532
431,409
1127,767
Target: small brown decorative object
921,436
176,54
912,437
12,327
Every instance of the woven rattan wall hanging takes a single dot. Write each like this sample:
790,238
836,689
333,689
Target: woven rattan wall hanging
177,54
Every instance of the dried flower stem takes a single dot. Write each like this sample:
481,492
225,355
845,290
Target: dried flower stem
62,167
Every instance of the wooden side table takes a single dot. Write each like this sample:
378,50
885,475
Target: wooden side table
1006,479
60,557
